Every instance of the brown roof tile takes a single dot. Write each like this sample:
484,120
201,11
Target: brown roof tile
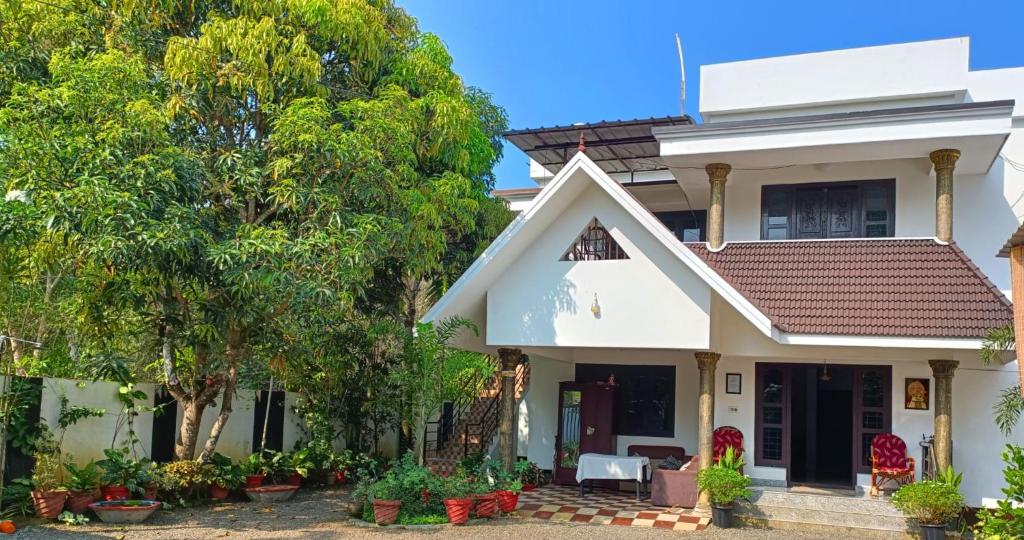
897,287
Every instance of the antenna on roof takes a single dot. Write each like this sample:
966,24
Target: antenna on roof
682,77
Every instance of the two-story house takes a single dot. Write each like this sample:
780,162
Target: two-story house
813,264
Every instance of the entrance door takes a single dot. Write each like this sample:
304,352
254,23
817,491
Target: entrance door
585,414
817,424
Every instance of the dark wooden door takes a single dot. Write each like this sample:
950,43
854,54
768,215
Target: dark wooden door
772,384
810,209
843,213
872,411
585,425
832,212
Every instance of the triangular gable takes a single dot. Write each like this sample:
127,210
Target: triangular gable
594,243
467,294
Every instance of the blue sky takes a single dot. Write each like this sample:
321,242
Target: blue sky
559,61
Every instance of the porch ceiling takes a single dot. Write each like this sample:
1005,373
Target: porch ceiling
978,130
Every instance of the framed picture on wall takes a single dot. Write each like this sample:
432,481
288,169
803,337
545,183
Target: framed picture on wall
733,383
915,394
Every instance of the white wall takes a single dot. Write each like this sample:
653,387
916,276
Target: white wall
541,300
538,410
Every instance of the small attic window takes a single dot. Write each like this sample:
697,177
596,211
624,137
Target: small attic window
594,244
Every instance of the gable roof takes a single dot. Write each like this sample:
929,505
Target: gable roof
918,288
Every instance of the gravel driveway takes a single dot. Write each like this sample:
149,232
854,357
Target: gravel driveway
317,515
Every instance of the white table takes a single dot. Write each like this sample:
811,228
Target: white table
606,467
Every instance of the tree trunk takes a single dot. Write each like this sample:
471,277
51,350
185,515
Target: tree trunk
417,436
222,418
191,416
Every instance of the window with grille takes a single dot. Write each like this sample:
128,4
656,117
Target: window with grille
595,243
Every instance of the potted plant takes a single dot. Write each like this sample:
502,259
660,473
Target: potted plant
120,474
724,485
223,477
124,511
455,490
529,474
298,466
83,486
932,503
508,490
484,485
47,495
255,469
340,463
148,479
386,495
186,479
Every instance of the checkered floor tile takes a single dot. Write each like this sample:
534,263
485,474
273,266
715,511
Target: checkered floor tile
605,507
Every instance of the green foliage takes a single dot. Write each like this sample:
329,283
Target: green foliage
723,485
731,459
22,397
255,464
70,518
186,480
456,486
950,477
1008,409
82,478
929,502
1007,520
224,473
17,500
529,473
119,469
46,475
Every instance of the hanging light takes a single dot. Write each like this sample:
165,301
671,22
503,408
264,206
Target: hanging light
825,377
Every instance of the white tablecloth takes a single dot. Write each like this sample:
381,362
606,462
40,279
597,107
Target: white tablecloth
604,467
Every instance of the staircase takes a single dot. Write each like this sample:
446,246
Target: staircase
473,425
859,516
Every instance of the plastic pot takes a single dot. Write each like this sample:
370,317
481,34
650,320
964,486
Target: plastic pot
150,492
341,477
294,479
486,504
114,493
254,480
49,504
529,487
218,492
385,512
933,532
79,501
507,501
458,510
721,516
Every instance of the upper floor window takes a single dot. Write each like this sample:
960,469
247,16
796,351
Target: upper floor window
688,225
863,209
595,243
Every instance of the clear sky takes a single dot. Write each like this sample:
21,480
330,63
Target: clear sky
558,61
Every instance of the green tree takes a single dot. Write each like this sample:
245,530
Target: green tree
1007,410
241,178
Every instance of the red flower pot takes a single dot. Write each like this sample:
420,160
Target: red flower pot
507,501
254,480
385,512
294,479
115,493
79,501
486,504
150,492
341,477
218,493
48,504
529,487
458,510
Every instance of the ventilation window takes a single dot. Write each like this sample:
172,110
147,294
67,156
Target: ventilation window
594,244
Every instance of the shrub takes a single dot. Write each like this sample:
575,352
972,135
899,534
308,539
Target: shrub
46,475
82,478
1007,520
930,502
120,470
723,485
254,464
186,480
731,459
529,472
223,472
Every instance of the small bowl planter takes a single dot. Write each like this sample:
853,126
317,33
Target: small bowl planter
254,480
385,511
458,510
268,494
507,501
49,504
124,511
486,504
219,493
114,493
79,500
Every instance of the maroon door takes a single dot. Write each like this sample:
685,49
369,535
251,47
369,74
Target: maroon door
585,415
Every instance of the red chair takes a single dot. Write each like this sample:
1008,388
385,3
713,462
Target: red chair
889,461
724,437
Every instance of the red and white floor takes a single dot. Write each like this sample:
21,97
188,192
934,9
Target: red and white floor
605,507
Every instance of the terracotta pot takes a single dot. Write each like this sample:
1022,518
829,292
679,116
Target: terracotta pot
458,510
529,487
219,493
507,501
294,479
486,504
254,480
79,501
341,477
150,492
385,512
115,493
49,504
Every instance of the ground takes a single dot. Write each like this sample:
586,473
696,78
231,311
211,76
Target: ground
319,515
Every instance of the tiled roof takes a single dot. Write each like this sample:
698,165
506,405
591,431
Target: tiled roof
897,287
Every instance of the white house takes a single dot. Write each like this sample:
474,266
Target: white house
820,254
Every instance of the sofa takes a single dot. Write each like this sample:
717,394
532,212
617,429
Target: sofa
676,487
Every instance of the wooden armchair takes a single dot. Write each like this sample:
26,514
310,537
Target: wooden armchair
889,461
